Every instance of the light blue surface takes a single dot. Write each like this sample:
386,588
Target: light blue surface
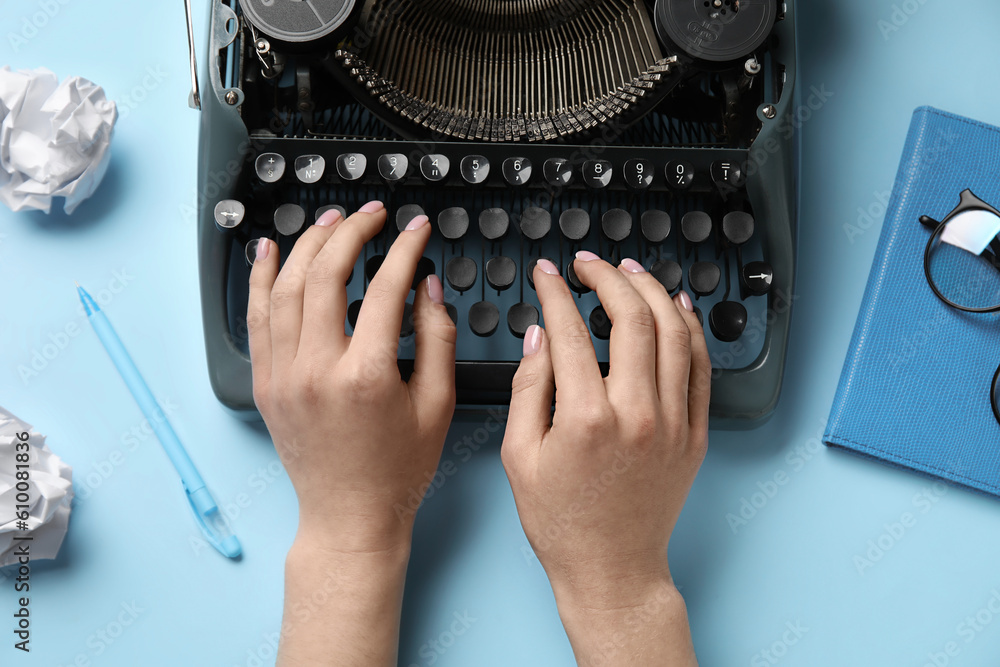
130,539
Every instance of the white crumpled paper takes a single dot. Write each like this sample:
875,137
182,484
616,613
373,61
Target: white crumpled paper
54,139
50,492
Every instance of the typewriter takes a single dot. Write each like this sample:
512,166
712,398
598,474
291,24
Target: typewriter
659,130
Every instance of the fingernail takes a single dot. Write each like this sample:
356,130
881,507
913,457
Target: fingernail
328,218
547,266
416,223
434,289
586,256
632,266
372,207
686,301
532,340
263,247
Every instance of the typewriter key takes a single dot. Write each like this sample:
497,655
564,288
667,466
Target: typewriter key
425,267
638,174
558,172
616,224
535,223
529,270
393,167
597,173
600,323
475,169
353,311
574,281
726,175
289,219
737,227
493,224
333,207
655,225
520,317
758,276
484,318
453,223
461,273
668,272
406,213
501,272
517,170
309,168
696,226
434,168
680,175
351,166
270,167
703,277
229,214
727,320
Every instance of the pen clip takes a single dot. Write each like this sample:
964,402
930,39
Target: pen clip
219,536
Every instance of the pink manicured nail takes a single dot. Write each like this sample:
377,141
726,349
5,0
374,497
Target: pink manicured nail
328,218
632,266
532,340
372,207
416,223
586,256
263,247
434,289
547,266
686,301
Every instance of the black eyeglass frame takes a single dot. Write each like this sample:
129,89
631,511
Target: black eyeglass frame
968,201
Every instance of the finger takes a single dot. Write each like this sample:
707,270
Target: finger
432,385
632,348
700,382
381,316
574,363
287,293
673,337
262,275
530,415
325,299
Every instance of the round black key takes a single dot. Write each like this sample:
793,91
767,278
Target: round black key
727,175
668,272
529,270
558,172
332,207
392,167
701,318
597,173
475,169
425,267
452,312
434,168
727,320
461,273
520,317
574,223
373,265
270,167
453,223
229,213
616,224
493,224
406,213
535,223
484,318
680,174
758,276
655,225
638,174
517,170
600,323
703,277
696,226
309,168
737,227
351,166
289,218
501,272
574,281
353,311
406,326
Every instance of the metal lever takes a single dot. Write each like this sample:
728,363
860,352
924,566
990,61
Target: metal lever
194,101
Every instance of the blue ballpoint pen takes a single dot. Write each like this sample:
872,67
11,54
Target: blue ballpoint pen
206,511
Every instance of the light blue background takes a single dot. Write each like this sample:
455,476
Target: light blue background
794,562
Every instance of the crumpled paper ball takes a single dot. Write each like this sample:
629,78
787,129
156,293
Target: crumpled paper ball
54,139
49,492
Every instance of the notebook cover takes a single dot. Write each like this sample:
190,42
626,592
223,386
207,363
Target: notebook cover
914,391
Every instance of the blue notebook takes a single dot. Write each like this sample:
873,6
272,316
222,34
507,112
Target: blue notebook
914,391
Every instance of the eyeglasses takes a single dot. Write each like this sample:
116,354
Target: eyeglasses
962,263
